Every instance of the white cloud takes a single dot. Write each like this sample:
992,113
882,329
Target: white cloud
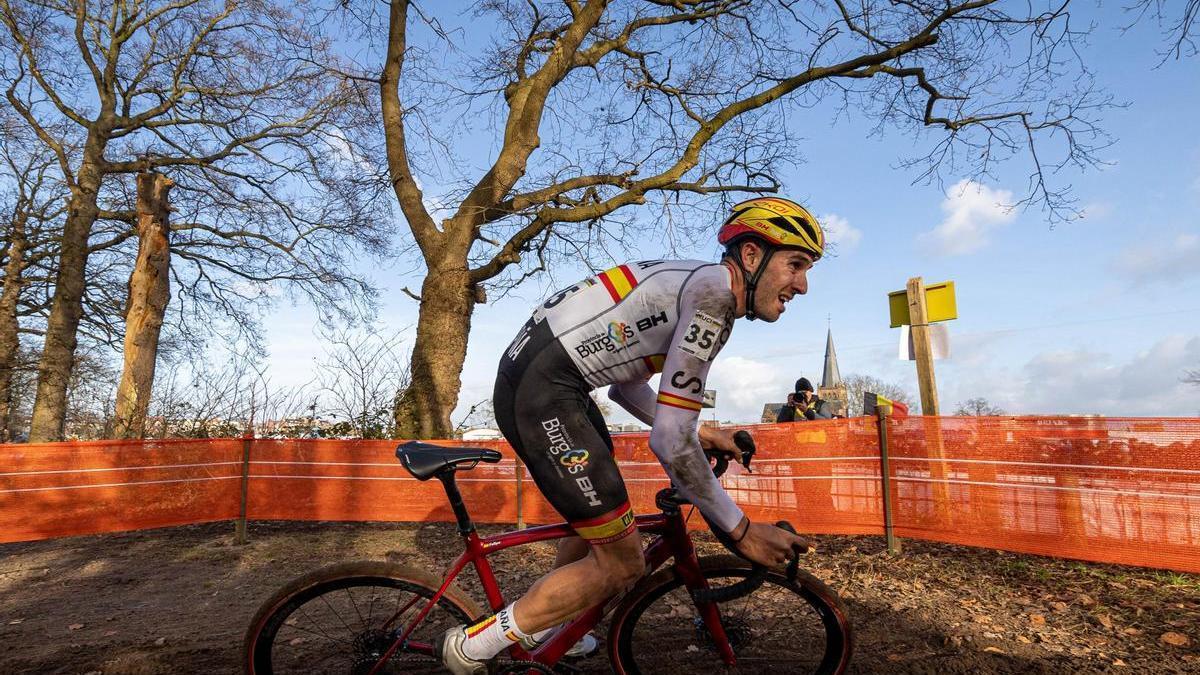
1095,211
1169,261
839,232
743,385
973,211
1080,381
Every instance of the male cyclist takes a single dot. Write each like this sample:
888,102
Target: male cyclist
618,329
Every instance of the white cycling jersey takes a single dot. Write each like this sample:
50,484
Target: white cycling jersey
657,316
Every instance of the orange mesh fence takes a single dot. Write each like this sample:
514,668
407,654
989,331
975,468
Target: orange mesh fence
60,489
1101,489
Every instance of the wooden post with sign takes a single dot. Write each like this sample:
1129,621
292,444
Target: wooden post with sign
918,306
922,349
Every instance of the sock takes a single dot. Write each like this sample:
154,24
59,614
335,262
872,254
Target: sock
492,635
540,636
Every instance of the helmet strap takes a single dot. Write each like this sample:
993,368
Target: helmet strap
751,280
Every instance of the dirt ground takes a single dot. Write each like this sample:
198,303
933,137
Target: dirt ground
178,600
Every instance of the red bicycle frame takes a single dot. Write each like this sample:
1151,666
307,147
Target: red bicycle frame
671,541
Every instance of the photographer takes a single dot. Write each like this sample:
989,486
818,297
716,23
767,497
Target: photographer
803,404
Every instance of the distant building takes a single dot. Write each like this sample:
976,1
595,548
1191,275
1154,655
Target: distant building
482,434
770,412
832,389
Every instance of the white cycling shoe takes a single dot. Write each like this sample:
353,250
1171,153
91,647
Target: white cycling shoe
587,645
450,652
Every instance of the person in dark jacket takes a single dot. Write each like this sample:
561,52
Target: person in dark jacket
803,404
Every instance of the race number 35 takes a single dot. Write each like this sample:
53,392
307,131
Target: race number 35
700,337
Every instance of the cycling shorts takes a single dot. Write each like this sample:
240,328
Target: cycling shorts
543,409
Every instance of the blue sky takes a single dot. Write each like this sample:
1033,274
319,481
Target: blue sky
1099,315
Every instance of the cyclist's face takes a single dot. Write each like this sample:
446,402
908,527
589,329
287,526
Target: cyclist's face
786,277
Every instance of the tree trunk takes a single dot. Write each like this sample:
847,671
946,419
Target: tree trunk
58,354
447,301
9,340
149,293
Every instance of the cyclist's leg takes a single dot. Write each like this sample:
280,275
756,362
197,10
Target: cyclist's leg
571,549
569,457
544,411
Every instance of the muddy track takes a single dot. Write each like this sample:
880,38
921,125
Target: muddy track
178,600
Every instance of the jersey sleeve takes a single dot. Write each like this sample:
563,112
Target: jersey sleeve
637,398
705,321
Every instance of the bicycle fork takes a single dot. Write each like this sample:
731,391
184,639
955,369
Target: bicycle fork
687,566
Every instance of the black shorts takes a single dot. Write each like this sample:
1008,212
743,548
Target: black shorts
543,409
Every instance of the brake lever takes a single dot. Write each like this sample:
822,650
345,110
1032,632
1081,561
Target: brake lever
745,442
793,566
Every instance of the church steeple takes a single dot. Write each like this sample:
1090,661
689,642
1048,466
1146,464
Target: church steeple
831,377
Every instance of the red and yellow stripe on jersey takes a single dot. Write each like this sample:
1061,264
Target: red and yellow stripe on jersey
619,281
607,527
676,401
654,362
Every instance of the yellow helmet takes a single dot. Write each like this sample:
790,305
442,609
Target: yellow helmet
780,222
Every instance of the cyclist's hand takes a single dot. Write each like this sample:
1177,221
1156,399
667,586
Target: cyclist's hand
720,441
770,546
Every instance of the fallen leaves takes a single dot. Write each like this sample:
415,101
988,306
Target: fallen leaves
1175,639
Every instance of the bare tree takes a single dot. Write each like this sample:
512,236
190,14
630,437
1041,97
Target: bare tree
857,385
1192,377
233,98
358,380
480,414
90,395
597,106
149,292
202,398
31,200
978,407
1178,28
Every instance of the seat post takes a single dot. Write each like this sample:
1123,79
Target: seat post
465,526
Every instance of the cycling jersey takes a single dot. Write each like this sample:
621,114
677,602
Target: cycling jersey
618,328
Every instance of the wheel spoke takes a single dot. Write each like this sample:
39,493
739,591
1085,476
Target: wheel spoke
330,626
774,629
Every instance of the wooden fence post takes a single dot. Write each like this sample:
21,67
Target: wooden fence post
927,385
239,536
885,472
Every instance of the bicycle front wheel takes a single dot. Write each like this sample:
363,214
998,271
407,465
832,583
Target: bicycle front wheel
782,627
343,618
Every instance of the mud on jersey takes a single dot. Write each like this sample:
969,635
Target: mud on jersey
642,318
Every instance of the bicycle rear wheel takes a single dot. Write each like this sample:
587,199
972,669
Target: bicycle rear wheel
341,619
782,627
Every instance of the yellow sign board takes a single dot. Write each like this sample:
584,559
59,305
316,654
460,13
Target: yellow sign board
940,304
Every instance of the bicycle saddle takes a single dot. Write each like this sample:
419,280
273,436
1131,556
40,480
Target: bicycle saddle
426,460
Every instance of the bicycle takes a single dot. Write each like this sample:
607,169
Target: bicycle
368,617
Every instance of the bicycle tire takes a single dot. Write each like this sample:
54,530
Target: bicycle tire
645,637
368,580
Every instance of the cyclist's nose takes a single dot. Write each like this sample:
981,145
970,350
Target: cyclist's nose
800,282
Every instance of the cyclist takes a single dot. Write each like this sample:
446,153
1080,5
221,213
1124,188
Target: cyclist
618,329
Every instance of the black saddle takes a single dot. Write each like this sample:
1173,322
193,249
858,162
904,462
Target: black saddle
426,460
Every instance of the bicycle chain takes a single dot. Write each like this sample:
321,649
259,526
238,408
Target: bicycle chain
523,667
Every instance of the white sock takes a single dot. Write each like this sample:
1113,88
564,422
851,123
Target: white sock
492,635
540,636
